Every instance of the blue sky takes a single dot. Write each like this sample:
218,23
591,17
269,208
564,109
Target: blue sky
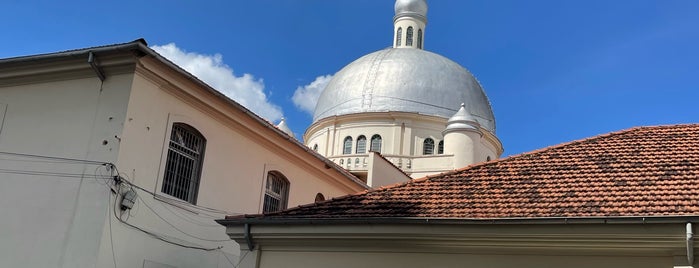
554,71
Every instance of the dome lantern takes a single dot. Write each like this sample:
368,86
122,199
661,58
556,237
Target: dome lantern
409,24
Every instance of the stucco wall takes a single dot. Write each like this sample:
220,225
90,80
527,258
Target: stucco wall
234,171
54,218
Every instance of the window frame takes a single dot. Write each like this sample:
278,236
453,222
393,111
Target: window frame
361,145
428,146
409,36
372,147
347,145
399,36
275,178
177,150
419,38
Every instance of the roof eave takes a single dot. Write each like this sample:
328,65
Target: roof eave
462,221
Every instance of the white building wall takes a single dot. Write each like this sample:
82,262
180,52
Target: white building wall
52,219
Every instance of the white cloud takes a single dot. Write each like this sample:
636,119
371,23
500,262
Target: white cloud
245,89
306,97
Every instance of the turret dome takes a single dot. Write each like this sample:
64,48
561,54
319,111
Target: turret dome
411,6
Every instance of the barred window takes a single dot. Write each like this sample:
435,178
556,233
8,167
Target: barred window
440,147
375,143
419,38
361,144
399,35
409,37
347,146
276,192
184,161
428,146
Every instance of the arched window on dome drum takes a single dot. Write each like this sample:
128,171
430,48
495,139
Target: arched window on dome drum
409,37
399,35
361,144
375,143
315,147
347,147
440,147
419,38
428,146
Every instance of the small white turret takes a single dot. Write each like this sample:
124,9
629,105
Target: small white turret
409,24
462,138
283,127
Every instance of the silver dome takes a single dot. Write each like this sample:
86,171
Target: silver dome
411,6
404,80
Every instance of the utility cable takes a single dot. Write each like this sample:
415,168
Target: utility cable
53,158
178,229
154,235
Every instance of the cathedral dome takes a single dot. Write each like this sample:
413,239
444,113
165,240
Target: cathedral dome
411,6
404,80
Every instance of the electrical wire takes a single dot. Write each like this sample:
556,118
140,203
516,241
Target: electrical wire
53,158
175,227
198,207
154,235
191,220
50,174
111,238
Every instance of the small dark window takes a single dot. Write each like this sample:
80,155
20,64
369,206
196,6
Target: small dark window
184,161
320,197
276,192
428,146
315,147
487,158
347,146
399,35
419,38
409,37
375,143
440,147
361,144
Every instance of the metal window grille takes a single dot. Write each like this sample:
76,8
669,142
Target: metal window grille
428,146
419,38
184,160
440,147
399,35
375,143
276,193
347,148
409,37
361,145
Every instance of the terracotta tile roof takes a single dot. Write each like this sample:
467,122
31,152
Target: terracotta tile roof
645,171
